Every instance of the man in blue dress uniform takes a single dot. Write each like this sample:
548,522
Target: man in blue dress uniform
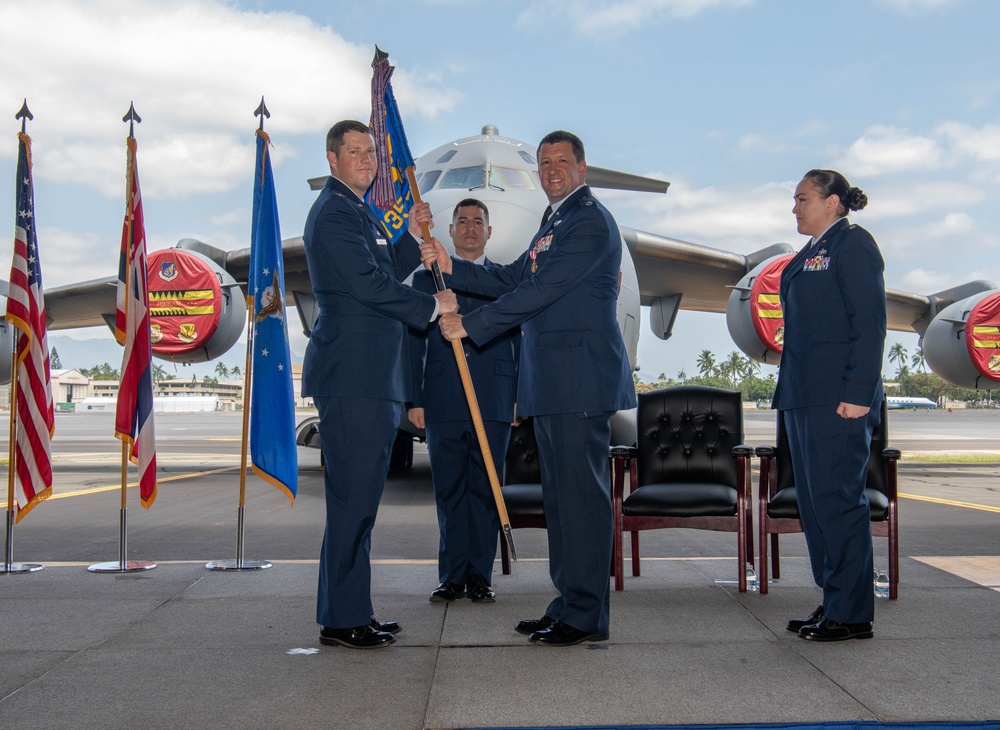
573,375
467,514
357,372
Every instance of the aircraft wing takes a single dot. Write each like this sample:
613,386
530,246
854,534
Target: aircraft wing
704,278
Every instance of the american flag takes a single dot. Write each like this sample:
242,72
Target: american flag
134,412
26,310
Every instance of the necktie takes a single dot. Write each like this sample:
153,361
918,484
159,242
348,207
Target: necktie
547,214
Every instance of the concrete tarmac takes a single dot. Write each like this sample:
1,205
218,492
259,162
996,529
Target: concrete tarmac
183,647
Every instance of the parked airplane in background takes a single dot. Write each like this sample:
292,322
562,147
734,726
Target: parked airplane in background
901,401
198,307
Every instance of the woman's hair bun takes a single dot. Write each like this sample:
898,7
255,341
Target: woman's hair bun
856,200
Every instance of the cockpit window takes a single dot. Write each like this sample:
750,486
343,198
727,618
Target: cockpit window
527,158
426,180
446,156
507,178
463,177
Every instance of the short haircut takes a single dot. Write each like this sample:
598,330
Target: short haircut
468,203
562,136
335,137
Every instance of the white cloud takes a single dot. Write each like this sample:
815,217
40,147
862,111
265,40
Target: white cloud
81,256
979,145
601,18
732,217
883,150
930,281
915,7
908,198
196,71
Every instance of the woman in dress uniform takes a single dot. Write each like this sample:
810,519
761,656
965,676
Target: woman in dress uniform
830,393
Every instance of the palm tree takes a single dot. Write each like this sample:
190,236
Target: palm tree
159,373
918,361
732,367
235,371
221,370
897,355
682,376
706,363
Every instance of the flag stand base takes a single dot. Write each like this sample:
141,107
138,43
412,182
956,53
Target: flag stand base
21,568
238,565
122,565
129,566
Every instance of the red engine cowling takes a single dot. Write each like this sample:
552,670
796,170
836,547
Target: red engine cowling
753,312
962,343
196,308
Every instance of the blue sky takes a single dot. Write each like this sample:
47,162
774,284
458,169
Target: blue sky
730,100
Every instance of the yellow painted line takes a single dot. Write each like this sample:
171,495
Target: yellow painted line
951,502
981,569
159,480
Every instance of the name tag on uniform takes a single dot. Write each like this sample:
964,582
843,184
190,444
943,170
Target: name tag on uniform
381,242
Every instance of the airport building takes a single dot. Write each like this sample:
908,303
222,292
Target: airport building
74,391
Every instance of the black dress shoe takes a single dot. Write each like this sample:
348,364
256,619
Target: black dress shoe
829,630
477,589
531,625
447,592
560,634
390,627
360,637
795,624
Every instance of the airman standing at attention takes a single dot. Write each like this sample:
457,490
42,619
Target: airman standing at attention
467,514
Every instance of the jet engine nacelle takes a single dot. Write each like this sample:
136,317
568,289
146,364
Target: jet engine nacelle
753,312
962,343
196,308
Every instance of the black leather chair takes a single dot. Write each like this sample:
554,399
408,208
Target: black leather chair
689,468
778,509
522,488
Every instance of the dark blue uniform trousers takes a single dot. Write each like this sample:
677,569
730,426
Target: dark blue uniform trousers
830,461
467,513
576,493
357,438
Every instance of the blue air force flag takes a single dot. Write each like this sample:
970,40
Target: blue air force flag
272,405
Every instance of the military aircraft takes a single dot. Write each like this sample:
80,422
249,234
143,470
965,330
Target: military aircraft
198,307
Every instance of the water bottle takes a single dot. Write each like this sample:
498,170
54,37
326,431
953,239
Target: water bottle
881,585
751,579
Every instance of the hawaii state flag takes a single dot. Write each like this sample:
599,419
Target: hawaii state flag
134,411
273,453
389,195
33,387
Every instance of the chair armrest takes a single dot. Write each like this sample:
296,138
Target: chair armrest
766,483
891,454
624,452
743,450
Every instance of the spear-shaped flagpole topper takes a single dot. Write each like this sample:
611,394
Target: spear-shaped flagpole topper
24,114
132,118
261,111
